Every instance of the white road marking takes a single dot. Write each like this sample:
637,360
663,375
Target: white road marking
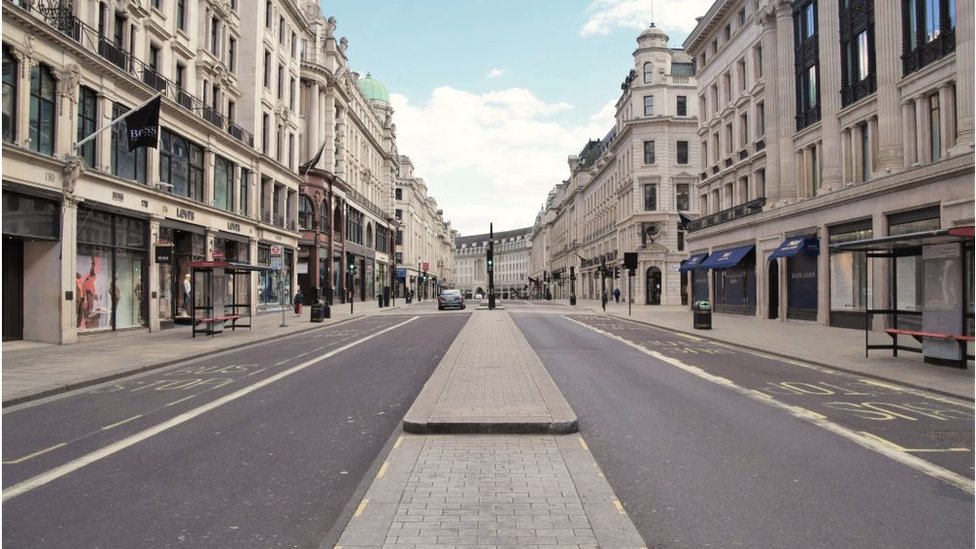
113,448
124,421
35,454
181,400
885,448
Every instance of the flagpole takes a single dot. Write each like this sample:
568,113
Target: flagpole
114,122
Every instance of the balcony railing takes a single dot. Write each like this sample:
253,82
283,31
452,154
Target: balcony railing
279,221
58,15
266,216
736,212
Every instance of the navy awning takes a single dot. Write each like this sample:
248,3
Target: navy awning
791,246
724,259
692,262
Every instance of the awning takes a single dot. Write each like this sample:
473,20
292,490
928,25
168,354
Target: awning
227,265
692,262
792,246
724,259
905,241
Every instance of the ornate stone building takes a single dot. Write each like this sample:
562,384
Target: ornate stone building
512,253
824,122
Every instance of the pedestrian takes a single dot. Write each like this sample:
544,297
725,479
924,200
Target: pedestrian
298,301
616,295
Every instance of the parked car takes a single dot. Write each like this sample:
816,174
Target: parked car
450,298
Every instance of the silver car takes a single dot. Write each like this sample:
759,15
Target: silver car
450,298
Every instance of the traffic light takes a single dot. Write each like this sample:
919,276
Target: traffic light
491,260
352,269
616,272
424,276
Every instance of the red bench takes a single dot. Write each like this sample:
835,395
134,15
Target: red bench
918,335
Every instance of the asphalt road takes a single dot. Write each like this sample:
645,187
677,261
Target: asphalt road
260,447
712,446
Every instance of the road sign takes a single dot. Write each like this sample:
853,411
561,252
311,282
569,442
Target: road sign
426,266
277,262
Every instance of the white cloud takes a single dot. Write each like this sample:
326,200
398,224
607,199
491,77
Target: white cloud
495,72
677,17
491,157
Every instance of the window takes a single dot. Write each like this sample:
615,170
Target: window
242,194
761,119
758,61
848,291
682,152
279,141
294,45
215,36
398,213
267,69
857,51
806,63
125,164
398,193
935,135
232,54
682,197
42,114
10,72
281,82
181,165
648,73
265,133
181,14
866,160
87,120
306,213
648,105
291,151
742,18
648,152
291,95
681,237
281,31
741,74
682,105
223,184
650,197
267,14
727,32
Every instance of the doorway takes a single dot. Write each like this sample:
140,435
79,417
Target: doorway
772,275
653,286
13,289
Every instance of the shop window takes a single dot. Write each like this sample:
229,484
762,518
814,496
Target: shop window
223,184
42,112
125,164
10,72
850,281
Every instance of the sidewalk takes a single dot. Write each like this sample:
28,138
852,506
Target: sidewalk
837,348
489,488
35,370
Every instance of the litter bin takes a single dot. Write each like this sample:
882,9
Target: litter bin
386,300
379,300
320,311
702,311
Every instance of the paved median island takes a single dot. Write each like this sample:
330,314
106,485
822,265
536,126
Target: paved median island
490,381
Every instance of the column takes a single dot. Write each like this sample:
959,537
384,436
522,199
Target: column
947,115
313,142
888,48
770,106
211,235
857,158
831,173
786,101
68,331
340,140
152,296
846,156
873,143
964,77
908,133
328,122
103,143
252,244
25,64
208,170
804,174
922,130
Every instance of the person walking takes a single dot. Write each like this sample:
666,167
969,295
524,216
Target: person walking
299,301
616,295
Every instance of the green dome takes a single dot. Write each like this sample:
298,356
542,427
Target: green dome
374,90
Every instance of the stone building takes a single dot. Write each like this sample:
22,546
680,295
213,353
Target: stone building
424,240
824,122
106,237
512,252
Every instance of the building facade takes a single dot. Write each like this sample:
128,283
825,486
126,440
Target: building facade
511,262
424,240
250,93
824,122
631,190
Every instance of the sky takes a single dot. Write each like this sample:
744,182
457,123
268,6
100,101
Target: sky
491,97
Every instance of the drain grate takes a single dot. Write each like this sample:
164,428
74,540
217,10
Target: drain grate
956,437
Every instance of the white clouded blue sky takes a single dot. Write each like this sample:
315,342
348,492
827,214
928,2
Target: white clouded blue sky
492,96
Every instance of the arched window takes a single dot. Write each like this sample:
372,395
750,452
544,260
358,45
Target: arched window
369,236
42,113
306,213
648,72
337,223
324,216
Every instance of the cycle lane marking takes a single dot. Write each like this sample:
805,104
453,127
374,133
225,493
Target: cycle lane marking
887,449
88,459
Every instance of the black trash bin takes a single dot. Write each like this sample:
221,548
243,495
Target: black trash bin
320,311
702,311
379,300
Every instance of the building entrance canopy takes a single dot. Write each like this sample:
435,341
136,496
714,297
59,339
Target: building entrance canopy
724,259
692,262
792,246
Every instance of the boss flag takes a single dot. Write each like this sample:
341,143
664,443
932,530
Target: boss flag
142,125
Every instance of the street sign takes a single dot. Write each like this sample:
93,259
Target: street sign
277,261
425,266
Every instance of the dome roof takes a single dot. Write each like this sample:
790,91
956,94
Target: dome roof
374,90
653,32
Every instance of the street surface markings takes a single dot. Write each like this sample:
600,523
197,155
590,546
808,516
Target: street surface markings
132,440
619,506
35,454
398,441
382,472
884,448
361,508
893,445
175,402
123,422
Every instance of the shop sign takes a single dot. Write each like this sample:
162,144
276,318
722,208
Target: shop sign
183,213
164,254
232,226
218,255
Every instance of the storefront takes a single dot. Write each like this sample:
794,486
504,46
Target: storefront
111,265
274,286
800,254
699,277
31,235
186,243
850,288
734,279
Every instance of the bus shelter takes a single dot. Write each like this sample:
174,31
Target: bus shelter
221,295
928,306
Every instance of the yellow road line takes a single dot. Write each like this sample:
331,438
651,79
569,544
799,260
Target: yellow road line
35,454
398,441
361,508
913,450
583,443
382,472
619,506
